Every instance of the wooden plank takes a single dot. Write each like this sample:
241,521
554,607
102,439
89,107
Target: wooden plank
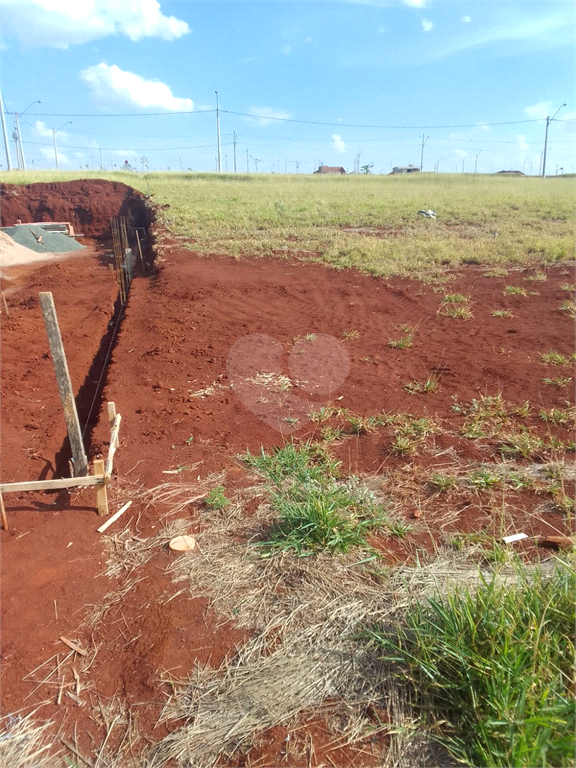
52,485
111,414
4,518
5,303
64,384
139,248
114,443
101,493
114,517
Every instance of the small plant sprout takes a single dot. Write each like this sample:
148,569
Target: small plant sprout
539,277
455,298
559,381
216,499
514,290
310,337
325,413
422,387
502,313
189,440
456,305
351,334
554,358
360,425
442,482
403,343
569,287
483,478
561,416
569,307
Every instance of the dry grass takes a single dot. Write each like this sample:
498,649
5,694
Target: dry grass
25,744
305,613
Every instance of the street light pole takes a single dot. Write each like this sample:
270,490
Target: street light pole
6,146
21,159
218,133
476,163
548,121
54,132
424,140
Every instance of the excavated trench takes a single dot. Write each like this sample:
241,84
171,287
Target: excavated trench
89,206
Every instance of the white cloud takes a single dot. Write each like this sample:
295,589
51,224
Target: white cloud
484,127
48,153
427,25
308,39
415,3
337,143
265,115
522,143
60,23
112,85
41,129
569,127
539,111
460,153
466,19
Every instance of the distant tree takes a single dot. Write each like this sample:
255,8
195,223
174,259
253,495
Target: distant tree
366,168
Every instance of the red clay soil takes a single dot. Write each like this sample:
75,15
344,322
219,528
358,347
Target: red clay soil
174,340
88,205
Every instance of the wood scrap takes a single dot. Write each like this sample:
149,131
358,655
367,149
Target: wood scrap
73,646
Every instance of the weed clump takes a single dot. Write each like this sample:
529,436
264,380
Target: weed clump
495,667
317,511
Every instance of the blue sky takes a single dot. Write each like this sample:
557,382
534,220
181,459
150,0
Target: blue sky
298,83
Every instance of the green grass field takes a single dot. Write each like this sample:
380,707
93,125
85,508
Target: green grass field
481,219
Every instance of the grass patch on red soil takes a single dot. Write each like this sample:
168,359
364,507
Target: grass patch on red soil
445,444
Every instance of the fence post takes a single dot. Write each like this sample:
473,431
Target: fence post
64,384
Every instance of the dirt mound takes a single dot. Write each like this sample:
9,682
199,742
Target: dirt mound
88,204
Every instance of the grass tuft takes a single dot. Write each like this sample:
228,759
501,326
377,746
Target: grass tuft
496,667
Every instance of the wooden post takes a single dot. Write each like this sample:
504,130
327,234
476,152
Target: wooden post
64,384
101,492
3,511
5,303
139,248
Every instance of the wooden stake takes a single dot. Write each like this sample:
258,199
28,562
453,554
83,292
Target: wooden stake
5,303
111,413
114,517
3,511
101,492
64,384
114,443
139,248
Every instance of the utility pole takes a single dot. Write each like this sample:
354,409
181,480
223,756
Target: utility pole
463,161
218,132
101,166
54,132
476,163
19,148
234,142
548,121
424,140
6,146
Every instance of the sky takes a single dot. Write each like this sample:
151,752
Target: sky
459,86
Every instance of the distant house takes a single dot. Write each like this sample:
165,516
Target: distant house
406,169
330,169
